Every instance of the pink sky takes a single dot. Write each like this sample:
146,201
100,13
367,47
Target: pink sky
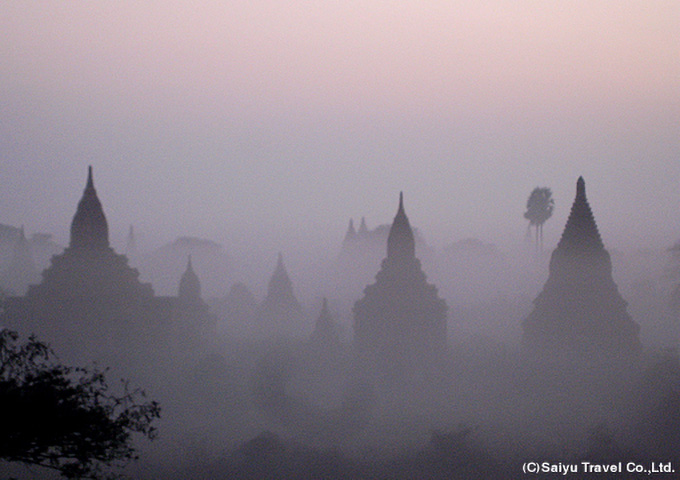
344,103
334,53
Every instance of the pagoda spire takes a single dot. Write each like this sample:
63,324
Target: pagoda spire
580,308
280,283
90,181
280,268
280,312
580,232
325,320
400,242
400,323
189,284
363,229
351,234
89,228
325,334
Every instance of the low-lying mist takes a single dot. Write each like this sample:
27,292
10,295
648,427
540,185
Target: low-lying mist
244,402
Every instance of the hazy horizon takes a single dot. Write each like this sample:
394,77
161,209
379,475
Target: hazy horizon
281,122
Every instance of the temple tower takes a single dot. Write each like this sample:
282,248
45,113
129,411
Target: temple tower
280,312
21,272
400,323
193,326
189,285
90,302
89,228
325,334
580,308
351,234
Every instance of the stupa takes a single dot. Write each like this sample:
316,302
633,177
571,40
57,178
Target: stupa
400,323
580,308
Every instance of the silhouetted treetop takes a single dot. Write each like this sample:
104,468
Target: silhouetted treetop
540,206
63,418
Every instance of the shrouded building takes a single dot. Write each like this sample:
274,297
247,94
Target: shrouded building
21,272
193,325
280,314
400,323
90,303
580,308
326,335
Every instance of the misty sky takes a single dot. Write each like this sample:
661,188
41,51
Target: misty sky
283,120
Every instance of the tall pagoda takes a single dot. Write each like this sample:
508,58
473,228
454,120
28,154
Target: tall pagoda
91,304
280,314
580,308
400,323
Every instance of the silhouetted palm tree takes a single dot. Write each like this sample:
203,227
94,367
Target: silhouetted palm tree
539,209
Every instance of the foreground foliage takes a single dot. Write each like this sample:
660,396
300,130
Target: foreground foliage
65,418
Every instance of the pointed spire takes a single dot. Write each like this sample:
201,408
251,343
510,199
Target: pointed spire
581,188
325,319
280,281
325,332
351,234
580,232
363,229
89,228
21,271
400,242
280,299
189,284
90,181
580,308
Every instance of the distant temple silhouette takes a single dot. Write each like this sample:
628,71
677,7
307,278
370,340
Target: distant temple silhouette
580,308
90,301
400,323
236,311
21,271
280,313
365,240
326,335
191,318
360,256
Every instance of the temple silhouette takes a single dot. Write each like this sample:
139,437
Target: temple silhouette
326,334
91,303
193,324
236,311
400,322
280,313
580,308
21,271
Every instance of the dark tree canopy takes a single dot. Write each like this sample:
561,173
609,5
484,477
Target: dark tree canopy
65,418
540,206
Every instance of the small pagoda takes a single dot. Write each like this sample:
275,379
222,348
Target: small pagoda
280,314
